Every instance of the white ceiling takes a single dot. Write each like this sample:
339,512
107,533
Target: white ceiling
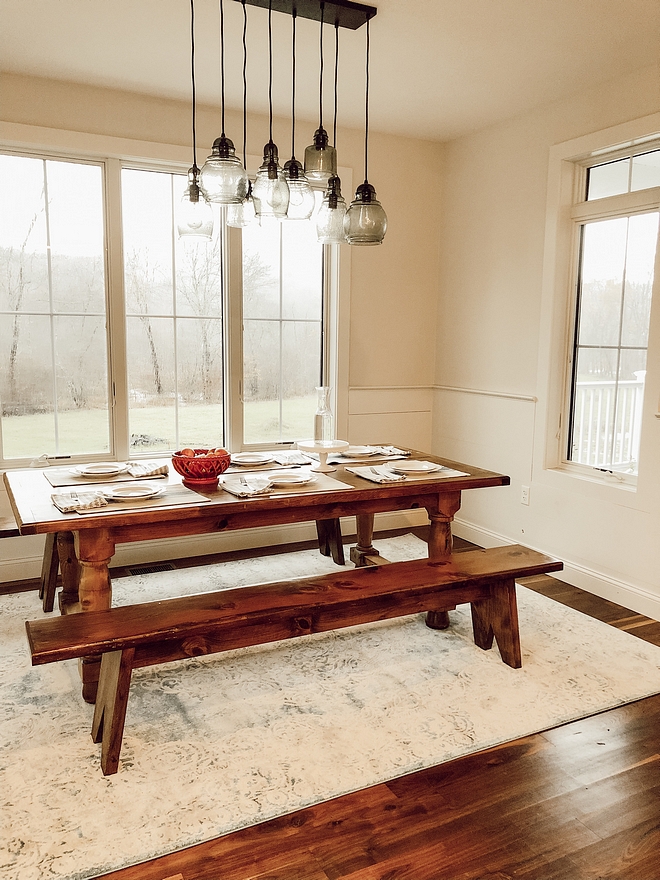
439,68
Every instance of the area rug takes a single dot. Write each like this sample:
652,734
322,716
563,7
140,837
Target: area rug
212,745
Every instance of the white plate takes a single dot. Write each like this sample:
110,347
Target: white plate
359,451
291,478
129,492
251,458
99,469
415,467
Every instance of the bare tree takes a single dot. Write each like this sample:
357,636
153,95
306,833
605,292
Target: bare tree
200,285
140,280
17,262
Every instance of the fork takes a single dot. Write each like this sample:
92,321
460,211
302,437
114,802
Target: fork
380,474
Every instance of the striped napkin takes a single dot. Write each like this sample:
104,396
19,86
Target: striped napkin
68,502
246,487
141,469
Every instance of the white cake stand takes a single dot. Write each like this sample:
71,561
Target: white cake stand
323,448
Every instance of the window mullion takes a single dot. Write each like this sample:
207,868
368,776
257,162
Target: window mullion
116,308
51,309
232,332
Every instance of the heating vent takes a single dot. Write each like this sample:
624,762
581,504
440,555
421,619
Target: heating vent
150,569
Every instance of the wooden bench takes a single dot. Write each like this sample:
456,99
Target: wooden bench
132,636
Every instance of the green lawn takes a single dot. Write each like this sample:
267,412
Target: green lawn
85,432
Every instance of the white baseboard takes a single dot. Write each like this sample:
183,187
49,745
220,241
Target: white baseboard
628,595
28,565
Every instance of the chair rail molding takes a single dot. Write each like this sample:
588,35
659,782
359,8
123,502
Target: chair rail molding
509,395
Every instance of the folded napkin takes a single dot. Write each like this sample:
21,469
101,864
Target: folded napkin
68,502
140,469
391,450
291,458
376,474
246,487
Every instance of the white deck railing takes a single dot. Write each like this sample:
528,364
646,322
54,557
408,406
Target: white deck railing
607,423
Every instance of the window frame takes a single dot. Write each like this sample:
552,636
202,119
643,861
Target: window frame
585,211
113,154
565,207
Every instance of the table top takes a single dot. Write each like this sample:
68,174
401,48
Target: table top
30,496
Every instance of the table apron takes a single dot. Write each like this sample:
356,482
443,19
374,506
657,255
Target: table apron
226,521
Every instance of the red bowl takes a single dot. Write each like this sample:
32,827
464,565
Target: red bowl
203,470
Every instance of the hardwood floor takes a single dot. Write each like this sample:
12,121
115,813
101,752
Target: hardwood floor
579,802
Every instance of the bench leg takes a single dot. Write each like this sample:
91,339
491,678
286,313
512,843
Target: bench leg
70,570
49,569
110,709
330,542
497,616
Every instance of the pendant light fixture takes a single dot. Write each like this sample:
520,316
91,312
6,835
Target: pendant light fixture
223,178
271,190
243,214
365,222
195,217
320,157
301,197
330,217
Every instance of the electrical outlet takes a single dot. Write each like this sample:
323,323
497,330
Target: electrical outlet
524,494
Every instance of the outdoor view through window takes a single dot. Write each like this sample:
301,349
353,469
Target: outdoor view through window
53,354
58,361
615,287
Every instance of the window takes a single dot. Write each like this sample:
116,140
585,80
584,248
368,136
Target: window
173,292
282,330
53,343
616,232
98,362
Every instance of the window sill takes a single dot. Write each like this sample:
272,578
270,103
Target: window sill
596,476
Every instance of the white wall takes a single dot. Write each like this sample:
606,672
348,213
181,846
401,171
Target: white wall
496,352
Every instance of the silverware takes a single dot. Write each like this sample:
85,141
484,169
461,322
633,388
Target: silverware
380,474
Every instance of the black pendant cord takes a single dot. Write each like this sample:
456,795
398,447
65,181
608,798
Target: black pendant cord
270,70
334,124
321,67
222,66
192,75
366,114
244,84
293,86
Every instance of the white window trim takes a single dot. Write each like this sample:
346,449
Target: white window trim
563,209
114,150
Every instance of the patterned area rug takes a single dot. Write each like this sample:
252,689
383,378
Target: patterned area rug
212,745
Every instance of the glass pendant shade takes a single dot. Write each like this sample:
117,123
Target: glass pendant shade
271,190
330,218
365,222
194,216
301,195
242,214
223,179
320,158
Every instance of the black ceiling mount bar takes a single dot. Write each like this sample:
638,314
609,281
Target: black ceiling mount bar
342,12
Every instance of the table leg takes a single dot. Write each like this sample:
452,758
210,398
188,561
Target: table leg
68,560
364,549
94,550
440,545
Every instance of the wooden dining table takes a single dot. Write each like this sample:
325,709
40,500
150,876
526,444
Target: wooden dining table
86,541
